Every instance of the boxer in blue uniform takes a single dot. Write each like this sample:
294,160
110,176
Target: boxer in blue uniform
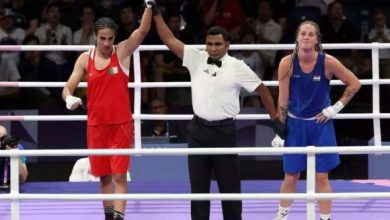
305,106
309,94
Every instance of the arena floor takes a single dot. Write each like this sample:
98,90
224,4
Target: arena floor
378,209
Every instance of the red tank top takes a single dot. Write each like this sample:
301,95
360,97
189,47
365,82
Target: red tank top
108,94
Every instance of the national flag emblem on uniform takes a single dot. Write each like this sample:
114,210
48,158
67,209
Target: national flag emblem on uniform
316,78
113,70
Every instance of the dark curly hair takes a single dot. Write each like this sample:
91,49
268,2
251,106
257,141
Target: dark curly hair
105,22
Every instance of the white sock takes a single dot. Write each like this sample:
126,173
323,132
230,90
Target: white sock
283,212
325,216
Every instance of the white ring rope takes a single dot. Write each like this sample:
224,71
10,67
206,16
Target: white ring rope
364,46
167,84
200,196
265,150
15,196
176,117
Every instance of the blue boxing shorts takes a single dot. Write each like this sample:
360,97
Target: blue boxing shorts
307,132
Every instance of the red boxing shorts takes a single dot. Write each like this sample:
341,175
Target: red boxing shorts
118,136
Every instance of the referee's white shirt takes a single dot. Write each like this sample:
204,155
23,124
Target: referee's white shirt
215,91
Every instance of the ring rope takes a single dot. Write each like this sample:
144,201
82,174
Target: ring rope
374,47
365,46
200,196
264,150
177,117
166,84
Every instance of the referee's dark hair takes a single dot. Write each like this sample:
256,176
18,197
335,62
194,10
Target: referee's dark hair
216,30
105,22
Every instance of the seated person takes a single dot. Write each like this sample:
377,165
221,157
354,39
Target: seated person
172,129
81,172
8,143
9,96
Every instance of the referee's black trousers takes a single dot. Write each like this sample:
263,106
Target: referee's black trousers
226,167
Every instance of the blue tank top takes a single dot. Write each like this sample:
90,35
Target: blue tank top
309,92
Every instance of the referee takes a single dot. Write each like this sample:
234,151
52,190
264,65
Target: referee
217,79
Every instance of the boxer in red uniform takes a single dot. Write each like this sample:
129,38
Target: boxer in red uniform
110,123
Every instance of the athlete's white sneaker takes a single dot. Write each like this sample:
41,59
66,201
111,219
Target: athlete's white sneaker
281,217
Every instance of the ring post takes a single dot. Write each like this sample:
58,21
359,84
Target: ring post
310,184
14,186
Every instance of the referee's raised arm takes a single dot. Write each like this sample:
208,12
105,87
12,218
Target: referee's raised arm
165,34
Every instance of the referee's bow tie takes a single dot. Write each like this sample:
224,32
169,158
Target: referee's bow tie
215,62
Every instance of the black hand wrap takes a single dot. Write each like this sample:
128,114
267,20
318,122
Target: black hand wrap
153,4
279,128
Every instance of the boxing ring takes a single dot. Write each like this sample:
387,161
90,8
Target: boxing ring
161,200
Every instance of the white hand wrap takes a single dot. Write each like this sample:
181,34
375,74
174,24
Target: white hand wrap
332,111
277,141
72,102
147,5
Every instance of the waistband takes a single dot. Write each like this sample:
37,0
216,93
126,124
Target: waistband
296,117
224,122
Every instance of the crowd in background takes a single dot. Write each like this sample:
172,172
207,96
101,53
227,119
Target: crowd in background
70,22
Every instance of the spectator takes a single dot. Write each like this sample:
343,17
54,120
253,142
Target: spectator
8,28
337,29
54,33
127,23
171,129
27,13
169,67
251,57
9,96
224,13
71,10
321,4
10,34
84,35
191,11
5,142
253,60
33,66
268,32
380,33
106,8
